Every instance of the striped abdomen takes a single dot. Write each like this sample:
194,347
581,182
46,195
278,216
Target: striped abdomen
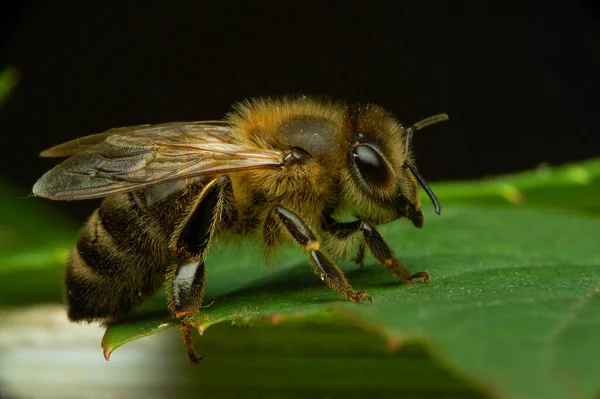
122,253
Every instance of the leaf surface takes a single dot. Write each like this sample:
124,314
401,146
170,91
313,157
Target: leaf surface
513,306
514,299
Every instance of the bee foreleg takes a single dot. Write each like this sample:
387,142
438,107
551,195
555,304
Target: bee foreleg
186,277
323,266
377,246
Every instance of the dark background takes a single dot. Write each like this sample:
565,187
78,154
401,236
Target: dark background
520,82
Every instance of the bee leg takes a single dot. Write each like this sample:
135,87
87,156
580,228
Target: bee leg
323,266
376,244
186,277
185,296
359,259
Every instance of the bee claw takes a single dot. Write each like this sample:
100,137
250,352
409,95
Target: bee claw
424,275
360,296
186,334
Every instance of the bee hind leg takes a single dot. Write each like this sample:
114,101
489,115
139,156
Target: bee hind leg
322,265
186,276
377,246
185,289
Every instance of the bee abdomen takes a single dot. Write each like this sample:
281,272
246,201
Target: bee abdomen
104,255
113,269
83,286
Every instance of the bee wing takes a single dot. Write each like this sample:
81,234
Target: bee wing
87,142
135,158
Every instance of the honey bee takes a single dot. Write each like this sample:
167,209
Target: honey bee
289,168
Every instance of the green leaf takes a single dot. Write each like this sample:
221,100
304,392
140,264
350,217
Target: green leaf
312,359
574,187
513,307
514,296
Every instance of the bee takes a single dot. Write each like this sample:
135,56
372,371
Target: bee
317,172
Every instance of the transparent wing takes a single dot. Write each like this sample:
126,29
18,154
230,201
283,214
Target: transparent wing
130,159
85,143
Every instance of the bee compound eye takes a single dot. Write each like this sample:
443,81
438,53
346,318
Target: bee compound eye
370,163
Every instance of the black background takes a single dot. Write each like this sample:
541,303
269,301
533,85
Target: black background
520,81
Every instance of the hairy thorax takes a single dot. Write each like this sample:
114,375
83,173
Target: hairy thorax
307,183
307,189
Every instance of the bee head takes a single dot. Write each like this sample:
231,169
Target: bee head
382,169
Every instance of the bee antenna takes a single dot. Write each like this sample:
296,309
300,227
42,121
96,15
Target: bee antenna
421,124
423,183
409,131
